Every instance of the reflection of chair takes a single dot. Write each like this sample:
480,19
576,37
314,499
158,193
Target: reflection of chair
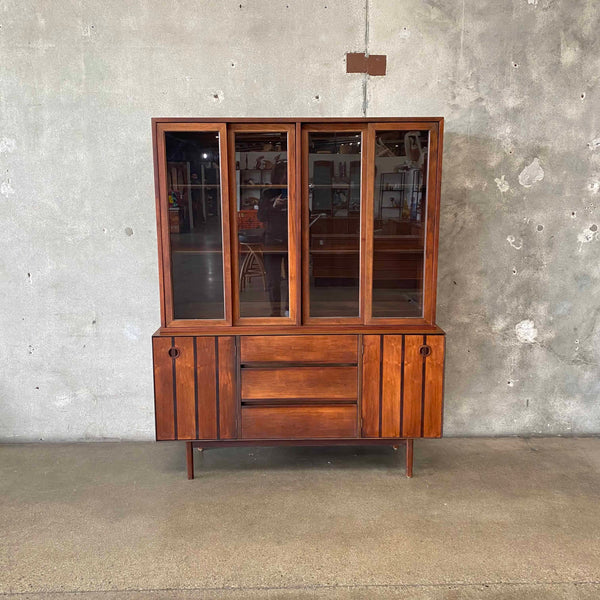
253,264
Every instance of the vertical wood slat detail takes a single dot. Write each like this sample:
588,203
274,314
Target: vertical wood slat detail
391,386
185,390
371,391
413,386
434,382
206,388
163,389
228,404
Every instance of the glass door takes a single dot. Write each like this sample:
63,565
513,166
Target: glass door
194,230
264,230
332,192
400,223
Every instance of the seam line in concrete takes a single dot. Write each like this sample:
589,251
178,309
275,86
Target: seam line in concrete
311,587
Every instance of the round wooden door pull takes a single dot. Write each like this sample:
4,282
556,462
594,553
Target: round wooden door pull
174,352
425,350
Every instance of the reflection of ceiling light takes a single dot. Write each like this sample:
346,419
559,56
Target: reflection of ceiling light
205,155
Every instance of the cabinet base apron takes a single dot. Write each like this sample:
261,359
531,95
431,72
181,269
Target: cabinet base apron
206,445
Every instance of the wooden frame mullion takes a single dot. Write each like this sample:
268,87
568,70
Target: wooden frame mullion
293,231
299,226
367,225
304,229
163,223
432,231
159,233
436,199
233,229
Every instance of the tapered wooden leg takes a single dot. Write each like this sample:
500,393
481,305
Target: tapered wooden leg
189,448
409,458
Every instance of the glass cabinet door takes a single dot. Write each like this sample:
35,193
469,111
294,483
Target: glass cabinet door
263,205
195,232
398,227
332,164
235,241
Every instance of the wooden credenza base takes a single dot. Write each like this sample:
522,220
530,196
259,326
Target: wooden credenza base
190,446
299,390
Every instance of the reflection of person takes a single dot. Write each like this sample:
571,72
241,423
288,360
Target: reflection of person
273,212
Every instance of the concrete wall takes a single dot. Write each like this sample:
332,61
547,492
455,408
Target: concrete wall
519,279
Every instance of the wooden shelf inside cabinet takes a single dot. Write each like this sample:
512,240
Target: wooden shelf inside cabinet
341,186
196,186
260,186
298,297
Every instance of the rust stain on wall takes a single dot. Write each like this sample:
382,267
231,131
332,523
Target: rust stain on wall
359,62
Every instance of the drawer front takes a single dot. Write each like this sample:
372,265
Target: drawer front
300,382
324,349
299,422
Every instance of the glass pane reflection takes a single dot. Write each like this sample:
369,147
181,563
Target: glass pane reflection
399,212
262,219
194,195
334,175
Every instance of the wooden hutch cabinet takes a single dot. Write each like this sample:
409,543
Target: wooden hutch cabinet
298,265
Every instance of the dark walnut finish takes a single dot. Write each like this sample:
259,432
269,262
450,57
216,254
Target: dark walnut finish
298,265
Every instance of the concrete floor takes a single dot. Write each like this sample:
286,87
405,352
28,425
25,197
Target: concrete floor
482,518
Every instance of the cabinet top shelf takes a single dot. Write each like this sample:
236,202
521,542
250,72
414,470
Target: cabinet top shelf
306,120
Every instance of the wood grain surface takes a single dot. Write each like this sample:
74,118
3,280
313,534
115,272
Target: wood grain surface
272,422
298,348
185,389
413,386
228,399
391,386
164,411
300,382
434,384
206,388
371,382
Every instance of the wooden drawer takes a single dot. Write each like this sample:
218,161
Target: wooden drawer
300,382
299,422
325,349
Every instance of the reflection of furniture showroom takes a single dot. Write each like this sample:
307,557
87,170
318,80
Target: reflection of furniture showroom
359,360
252,265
